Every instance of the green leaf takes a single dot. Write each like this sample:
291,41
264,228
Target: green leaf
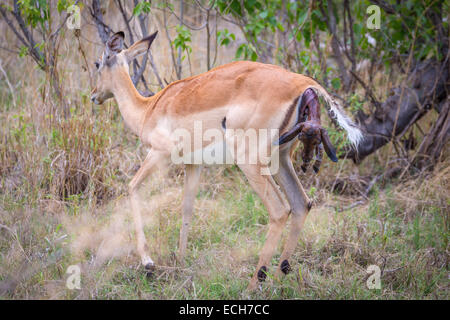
264,14
240,51
23,51
336,83
307,35
280,27
62,5
302,17
224,37
142,7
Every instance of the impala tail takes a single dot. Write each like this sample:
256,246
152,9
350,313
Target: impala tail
337,114
310,98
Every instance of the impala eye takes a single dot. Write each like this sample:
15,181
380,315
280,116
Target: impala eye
97,65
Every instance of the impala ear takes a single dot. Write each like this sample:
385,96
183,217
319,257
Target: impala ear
329,149
291,134
140,47
115,43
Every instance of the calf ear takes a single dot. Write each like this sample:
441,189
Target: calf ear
329,149
140,47
291,134
115,43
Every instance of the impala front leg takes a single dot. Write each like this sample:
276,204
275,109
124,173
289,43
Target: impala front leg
148,166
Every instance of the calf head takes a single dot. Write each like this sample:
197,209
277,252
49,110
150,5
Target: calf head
311,134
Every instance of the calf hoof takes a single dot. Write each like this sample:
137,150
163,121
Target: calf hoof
262,274
285,267
303,168
316,169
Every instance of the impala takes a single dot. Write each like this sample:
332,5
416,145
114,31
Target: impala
239,95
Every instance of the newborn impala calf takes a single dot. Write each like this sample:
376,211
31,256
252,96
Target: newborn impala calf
243,95
310,132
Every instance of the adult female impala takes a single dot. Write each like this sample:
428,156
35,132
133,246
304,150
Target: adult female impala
240,95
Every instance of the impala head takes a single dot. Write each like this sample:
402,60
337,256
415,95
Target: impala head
113,60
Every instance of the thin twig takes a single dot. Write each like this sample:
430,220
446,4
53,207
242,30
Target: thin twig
8,83
367,89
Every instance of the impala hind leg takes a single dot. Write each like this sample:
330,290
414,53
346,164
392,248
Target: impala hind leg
151,162
191,183
299,203
267,190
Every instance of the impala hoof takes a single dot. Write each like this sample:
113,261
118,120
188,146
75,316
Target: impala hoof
285,267
149,268
316,169
262,274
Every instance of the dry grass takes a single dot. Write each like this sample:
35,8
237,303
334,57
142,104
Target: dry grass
63,202
407,239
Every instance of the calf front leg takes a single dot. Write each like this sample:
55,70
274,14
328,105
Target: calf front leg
319,156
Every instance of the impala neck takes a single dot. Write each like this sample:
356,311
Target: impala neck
132,105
